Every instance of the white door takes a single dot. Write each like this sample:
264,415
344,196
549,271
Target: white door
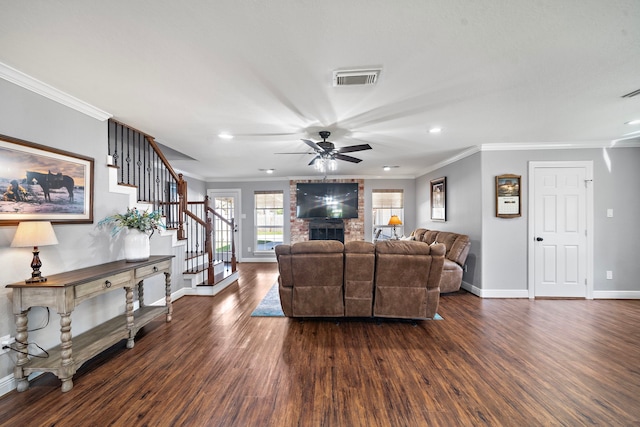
560,229
227,204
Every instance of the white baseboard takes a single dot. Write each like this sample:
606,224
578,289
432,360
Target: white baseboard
495,293
7,384
260,259
616,294
520,293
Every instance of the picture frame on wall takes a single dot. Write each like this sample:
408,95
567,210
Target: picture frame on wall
439,199
40,183
508,196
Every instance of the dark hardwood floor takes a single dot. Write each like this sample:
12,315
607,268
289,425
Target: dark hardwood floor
498,362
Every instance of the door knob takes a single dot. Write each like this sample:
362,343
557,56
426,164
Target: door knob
539,239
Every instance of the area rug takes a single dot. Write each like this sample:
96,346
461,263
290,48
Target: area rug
270,305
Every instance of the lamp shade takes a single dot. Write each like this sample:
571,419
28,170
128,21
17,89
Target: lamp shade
395,220
34,233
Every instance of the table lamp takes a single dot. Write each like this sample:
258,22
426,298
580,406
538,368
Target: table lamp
34,233
395,220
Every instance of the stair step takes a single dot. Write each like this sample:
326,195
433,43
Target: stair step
192,254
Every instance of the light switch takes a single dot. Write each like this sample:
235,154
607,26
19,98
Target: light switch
609,213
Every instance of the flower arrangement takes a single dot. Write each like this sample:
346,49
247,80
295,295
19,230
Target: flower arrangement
144,221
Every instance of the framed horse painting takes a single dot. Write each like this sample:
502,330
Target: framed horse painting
44,184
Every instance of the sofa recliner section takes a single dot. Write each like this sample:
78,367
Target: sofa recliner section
396,279
457,248
359,265
407,279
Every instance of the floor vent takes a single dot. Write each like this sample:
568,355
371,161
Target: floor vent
355,77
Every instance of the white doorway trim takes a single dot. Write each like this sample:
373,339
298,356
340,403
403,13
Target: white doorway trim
588,166
237,195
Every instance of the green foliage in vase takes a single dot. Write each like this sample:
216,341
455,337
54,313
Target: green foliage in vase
146,221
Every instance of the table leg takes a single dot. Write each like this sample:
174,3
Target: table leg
167,282
129,314
141,293
67,368
22,335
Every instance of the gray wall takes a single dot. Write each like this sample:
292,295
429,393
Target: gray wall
28,116
409,190
464,198
499,246
616,240
247,205
247,189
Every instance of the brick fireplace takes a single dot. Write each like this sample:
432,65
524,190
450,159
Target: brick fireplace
353,229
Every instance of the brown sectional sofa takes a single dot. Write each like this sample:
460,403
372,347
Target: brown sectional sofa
457,249
324,278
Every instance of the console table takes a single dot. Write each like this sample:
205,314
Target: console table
64,292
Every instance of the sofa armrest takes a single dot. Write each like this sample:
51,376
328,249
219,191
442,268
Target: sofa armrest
283,256
460,250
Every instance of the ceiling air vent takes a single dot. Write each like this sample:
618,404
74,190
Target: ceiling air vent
355,77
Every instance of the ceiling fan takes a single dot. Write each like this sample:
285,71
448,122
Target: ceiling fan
327,153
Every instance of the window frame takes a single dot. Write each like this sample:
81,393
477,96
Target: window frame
278,217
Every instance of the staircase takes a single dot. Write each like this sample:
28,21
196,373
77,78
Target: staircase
137,163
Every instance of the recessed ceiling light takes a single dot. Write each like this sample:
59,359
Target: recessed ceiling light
435,130
225,135
269,170
388,168
633,122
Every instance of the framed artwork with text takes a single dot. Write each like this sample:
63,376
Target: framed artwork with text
508,200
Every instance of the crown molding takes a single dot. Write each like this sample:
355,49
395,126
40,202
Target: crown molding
630,142
463,154
23,80
516,146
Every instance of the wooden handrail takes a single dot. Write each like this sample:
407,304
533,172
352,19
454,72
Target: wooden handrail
154,194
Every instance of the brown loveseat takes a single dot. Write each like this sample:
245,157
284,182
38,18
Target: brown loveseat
324,278
457,249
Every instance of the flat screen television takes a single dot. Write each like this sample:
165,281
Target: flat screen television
327,200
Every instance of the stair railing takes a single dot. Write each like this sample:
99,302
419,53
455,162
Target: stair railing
142,164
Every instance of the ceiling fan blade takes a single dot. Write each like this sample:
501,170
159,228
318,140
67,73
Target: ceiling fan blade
295,153
313,161
347,158
353,148
312,144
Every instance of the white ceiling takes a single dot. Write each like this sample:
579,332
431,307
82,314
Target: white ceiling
487,72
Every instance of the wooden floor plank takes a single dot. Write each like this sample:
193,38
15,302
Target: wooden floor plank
489,362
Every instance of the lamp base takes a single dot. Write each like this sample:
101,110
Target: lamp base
36,279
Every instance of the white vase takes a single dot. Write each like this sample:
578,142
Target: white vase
136,245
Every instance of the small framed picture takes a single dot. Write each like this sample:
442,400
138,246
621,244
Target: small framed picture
438,199
508,200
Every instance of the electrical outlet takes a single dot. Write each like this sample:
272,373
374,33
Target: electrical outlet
609,275
6,341
249,249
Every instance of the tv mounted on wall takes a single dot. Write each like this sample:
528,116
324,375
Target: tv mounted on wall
327,200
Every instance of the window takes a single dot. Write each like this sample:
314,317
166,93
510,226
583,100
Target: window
269,220
386,203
